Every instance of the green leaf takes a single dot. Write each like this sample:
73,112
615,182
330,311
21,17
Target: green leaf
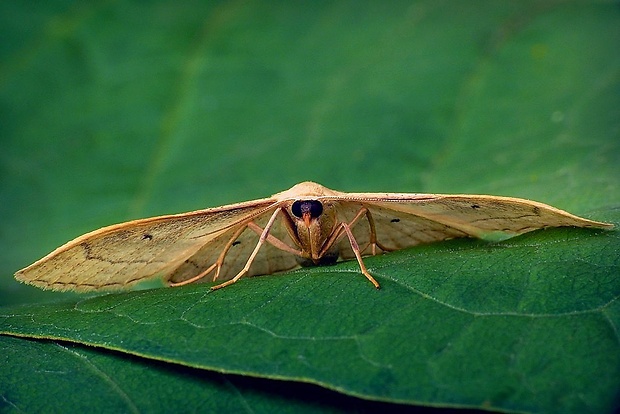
84,379
534,328
115,110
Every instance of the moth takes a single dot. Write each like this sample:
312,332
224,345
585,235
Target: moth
305,225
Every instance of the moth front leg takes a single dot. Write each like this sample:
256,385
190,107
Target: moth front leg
264,237
274,241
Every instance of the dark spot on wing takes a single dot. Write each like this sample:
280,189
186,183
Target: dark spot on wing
395,220
87,250
193,263
236,243
147,236
475,206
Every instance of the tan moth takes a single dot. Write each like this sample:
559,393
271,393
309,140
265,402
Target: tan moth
307,224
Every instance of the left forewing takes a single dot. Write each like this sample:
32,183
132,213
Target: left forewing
121,255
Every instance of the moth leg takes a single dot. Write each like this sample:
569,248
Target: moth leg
292,231
195,278
222,256
274,241
218,263
358,255
345,228
339,232
262,239
373,242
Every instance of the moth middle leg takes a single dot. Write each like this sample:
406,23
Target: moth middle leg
373,243
264,237
345,228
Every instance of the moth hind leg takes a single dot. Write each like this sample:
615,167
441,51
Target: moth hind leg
373,243
197,277
217,266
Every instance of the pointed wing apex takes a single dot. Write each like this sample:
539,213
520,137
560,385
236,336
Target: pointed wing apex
488,217
122,255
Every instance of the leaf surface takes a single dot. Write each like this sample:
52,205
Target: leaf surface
439,330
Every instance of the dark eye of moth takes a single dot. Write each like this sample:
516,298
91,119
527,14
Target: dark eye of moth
314,207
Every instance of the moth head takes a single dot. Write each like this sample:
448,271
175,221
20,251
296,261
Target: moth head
307,210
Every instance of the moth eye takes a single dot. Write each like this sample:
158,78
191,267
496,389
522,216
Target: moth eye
314,207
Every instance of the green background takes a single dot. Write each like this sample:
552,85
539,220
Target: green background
115,110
